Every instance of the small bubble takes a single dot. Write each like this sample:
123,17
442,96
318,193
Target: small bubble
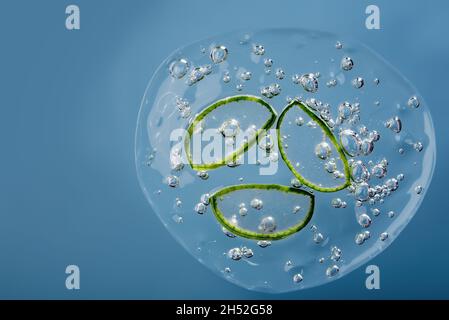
177,219
271,91
418,146
338,45
358,82
332,271
297,278
203,175
227,232
331,83
347,63
299,121
309,82
383,236
247,253
230,128
280,74
267,225
394,124
205,198
235,254
390,214
200,208
364,220
258,50
400,177
350,142
246,75
359,172
288,265
323,150
376,81
318,237
375,212
413,102
243,211
359,238
418,189
268,62
295,183
172,181
218,54
263,243
256,204
226,77
179,68
335,253
227,270
362,191
336,203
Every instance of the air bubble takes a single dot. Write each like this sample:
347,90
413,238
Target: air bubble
218,54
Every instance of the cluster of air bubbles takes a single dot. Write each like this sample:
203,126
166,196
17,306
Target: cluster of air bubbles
263,243
353,143
246,75
198,73
271,91
226,77
335,253
317,236
331,83
258,49
337,203
346,63
243,211
418,146
176,162
179,68
183,107
358,82
218,54
394,124
413,102
361,237
235,254
256,204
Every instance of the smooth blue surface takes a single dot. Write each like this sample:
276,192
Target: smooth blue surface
69,102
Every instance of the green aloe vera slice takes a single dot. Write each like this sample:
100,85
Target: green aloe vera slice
250,234
240,150
328,133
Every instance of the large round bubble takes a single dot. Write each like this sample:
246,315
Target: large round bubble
337,154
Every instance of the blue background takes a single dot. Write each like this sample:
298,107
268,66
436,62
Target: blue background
69,102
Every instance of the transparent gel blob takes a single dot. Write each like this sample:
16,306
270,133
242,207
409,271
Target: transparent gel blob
351,189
